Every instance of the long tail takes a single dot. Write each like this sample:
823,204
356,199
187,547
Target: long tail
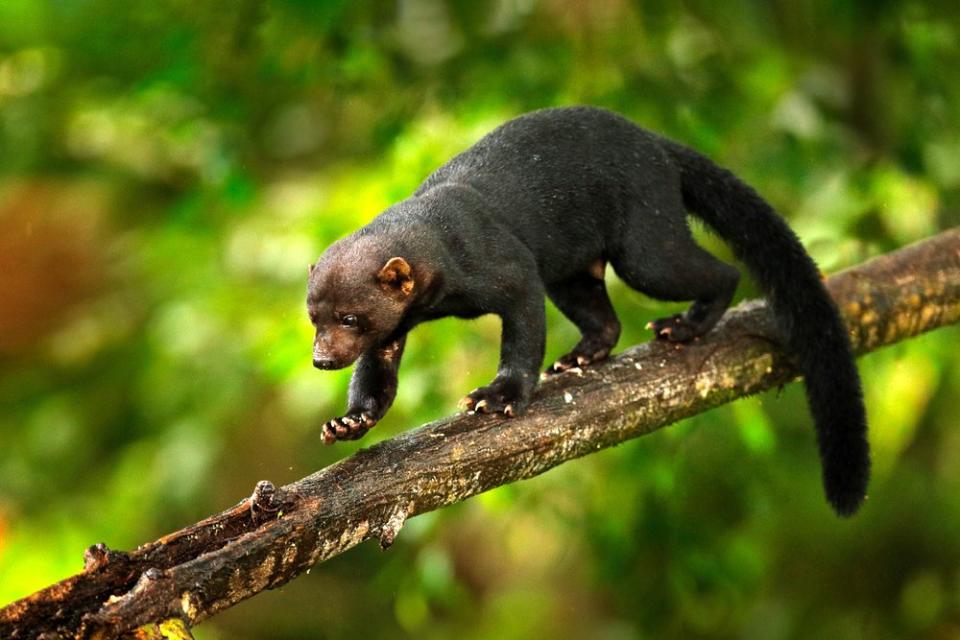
815,333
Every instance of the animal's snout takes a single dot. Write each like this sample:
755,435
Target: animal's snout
324,363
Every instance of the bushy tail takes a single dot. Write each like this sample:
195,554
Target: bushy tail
815,334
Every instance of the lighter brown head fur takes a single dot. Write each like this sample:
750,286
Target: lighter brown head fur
356,297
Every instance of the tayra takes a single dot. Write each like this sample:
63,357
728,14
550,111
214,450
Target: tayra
537,208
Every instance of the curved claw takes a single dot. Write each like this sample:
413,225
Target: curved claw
329,434
559,366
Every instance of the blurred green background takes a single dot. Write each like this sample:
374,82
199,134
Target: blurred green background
169,168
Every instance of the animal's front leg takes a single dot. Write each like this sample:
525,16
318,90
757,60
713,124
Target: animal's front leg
521,354
372,390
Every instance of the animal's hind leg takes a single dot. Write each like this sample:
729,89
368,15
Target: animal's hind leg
583,298
673,267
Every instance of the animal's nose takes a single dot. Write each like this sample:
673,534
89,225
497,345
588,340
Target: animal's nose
323,363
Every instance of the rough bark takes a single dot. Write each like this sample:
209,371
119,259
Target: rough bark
277,534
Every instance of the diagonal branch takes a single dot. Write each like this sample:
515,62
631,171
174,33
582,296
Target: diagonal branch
269,539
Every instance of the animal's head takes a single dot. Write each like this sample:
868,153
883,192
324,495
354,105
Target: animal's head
356,297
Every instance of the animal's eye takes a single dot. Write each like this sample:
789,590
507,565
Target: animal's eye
349,320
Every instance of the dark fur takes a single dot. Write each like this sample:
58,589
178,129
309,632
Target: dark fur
536,208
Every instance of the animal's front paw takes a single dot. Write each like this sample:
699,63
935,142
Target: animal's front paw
349,427
673,329
504,395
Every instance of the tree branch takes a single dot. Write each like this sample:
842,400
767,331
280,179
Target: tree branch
277,534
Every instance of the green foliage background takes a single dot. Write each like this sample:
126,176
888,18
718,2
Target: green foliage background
169,168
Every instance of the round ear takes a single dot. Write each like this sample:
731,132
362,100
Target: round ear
397,275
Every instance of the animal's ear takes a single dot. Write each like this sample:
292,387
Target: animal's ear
396,275
310,268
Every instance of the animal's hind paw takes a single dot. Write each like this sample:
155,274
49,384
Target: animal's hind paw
576,359
676,328
503,395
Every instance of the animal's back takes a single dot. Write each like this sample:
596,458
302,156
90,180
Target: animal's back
563,179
